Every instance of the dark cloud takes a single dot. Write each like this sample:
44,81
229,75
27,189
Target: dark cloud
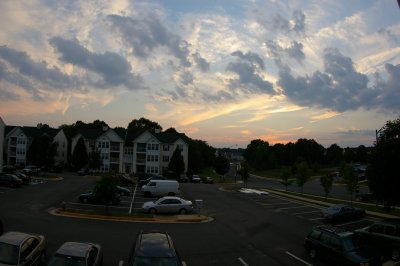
278,23
113,68
252,58
340,87
247,68
277,52
186,78
18,68
201,63
147,33
36,70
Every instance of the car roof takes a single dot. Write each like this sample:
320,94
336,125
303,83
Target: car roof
334,230
156,244
15,238
75,249
171,197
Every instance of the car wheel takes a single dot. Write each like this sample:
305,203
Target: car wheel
395,254
182,211
312,253
152,211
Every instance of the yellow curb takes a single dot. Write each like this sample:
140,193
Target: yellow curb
157,219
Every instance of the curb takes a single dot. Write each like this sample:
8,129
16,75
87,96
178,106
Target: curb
156,219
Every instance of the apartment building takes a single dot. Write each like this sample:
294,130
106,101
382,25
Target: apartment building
2,129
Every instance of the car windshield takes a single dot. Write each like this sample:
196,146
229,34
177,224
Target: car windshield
9,254
142,261
59,260
350,243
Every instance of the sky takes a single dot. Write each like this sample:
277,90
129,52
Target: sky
222,71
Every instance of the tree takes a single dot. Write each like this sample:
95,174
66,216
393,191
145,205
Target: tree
176,164
350,179
105,191
285,178
302,174
137,125
221,165
94,160
42,151
326,182
334,154
383,168
244,173
80,156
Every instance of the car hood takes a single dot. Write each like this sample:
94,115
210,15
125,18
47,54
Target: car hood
148,204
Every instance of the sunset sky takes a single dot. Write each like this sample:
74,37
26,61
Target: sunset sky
223,71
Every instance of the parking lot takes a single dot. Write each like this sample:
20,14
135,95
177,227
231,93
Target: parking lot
248,229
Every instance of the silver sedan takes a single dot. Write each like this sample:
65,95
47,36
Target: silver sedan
168,205
18,248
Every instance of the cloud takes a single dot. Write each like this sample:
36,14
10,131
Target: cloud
20,69
248,68
277,51
341,88
146,33
201,63
113,68
282,24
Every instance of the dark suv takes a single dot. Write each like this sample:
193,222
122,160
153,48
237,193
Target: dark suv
154,248
10,180
383,236
338,246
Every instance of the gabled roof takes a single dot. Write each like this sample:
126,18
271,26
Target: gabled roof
32,132
91,133
170,137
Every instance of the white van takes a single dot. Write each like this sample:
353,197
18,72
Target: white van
161,188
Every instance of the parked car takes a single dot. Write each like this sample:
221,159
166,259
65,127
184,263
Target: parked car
342,212
154,248
339,247
31,170
83,171
18,248
183,178
123,191
26,179
77,253
196,179
207,180
148,179
88,197
168,205
383,236
10,180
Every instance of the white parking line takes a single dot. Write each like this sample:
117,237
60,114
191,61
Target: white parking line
270,204
316,219
299,213
243,262
297,207
121,262
297,258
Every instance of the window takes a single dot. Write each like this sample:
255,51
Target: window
166,147
165,158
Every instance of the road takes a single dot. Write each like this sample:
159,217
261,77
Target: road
247,229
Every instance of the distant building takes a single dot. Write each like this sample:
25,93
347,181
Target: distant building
150,152
2,130
19,139
107,142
